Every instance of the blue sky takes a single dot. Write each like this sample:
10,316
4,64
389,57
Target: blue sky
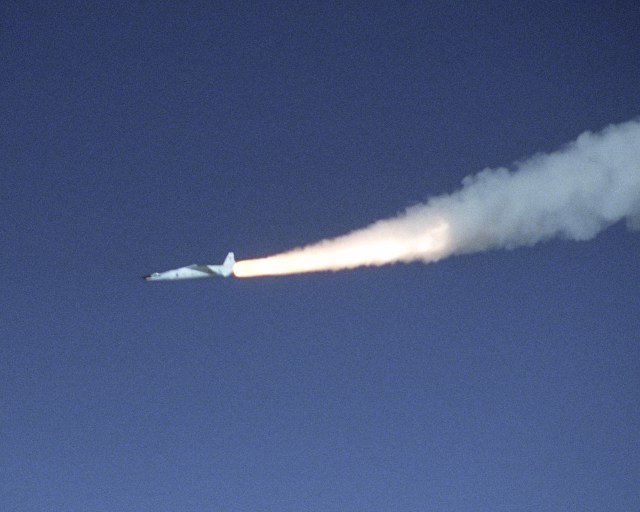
138,137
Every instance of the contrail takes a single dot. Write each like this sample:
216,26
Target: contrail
573,193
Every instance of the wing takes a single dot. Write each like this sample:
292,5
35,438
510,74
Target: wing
203,268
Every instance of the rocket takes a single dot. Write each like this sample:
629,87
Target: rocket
195,271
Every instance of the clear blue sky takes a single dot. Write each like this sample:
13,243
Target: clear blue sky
141,136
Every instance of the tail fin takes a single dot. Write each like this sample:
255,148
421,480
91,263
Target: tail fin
227,266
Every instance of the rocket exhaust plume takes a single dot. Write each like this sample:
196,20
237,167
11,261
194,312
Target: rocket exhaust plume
573,193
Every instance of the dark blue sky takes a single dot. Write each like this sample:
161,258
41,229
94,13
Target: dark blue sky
137,137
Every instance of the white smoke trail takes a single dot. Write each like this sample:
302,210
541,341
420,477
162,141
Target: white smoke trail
573,193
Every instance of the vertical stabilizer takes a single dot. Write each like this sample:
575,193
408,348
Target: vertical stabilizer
227,266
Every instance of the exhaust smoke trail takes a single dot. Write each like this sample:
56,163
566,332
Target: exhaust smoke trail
573,193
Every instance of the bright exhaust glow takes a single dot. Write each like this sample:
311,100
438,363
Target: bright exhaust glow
373,246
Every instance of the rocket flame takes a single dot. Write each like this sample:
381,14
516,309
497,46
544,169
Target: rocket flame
377,245
573,193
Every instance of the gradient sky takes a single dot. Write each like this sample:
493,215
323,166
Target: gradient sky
138,137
